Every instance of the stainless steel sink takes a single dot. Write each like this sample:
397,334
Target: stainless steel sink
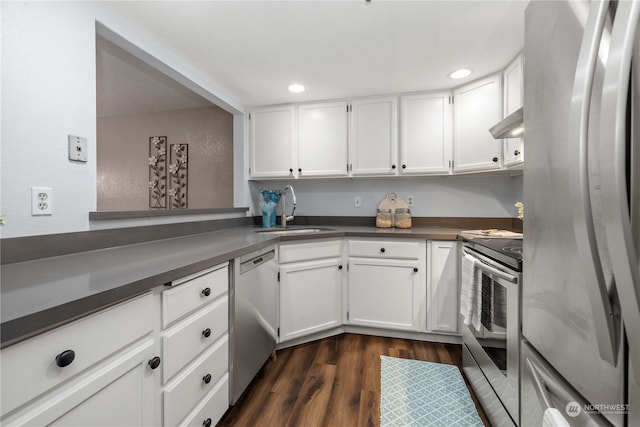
285,231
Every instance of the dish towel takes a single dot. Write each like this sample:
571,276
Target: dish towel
486,312
470,293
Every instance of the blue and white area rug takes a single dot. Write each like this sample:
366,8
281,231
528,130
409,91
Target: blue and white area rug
417,393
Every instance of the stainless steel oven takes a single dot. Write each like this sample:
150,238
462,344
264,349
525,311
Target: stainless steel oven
491,343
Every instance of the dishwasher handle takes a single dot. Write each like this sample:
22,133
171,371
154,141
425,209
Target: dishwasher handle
257,261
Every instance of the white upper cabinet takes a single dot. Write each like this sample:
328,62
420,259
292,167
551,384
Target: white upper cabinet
373,136
322,139
477,107
425,144
272,142
513,99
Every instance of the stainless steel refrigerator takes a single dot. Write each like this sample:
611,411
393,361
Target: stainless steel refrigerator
581,287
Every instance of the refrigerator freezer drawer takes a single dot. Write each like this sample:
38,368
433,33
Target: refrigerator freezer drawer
549,389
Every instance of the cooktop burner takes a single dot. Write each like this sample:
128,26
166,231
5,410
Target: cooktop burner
505,251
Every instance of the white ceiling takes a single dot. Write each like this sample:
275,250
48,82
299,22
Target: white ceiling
339,49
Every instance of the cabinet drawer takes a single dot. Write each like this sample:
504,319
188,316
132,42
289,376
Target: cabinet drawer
384,249
194,291
312,250
29,368
190,386
212,407
185,340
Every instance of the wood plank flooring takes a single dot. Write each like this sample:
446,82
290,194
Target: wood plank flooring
333,382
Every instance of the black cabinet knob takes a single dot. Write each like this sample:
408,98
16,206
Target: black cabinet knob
404,166
154,363
495,160
415,269
207,378
206,292
340,267
290,170
517,152
383,250
299,169
207,422
393,166
65,358
206,333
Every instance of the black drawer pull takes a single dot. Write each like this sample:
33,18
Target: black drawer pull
206,333
207,422
495,160
393,166
415,269
516,153
383,250
206,292
207,378
404,166
154,363
290,170
65,358
340,267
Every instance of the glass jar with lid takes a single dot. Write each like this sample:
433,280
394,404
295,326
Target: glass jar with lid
403,218
384,218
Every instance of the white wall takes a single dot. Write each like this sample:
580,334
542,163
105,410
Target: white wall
454,196
49,91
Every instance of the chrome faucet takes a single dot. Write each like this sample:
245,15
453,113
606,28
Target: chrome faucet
286,217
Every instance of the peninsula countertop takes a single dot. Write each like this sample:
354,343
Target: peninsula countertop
42,294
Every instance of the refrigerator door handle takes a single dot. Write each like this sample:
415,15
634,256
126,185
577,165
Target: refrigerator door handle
613,164
595,284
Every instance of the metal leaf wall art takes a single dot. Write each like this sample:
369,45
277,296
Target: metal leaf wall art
157,172
178,176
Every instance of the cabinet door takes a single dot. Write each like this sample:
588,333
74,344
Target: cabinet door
385,293
442,287
322,139
272,142
118,393
477,107
310,297
373,136
425,142
513,88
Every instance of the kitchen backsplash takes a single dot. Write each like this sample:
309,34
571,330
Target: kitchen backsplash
453,196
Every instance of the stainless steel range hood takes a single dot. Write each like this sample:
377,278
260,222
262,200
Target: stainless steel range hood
510,127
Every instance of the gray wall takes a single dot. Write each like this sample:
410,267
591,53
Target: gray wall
123,150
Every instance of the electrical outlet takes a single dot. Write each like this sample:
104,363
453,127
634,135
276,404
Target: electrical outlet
41,201
357,202
410,200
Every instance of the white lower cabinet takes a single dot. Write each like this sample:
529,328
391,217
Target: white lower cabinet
310,288
94,371
442,286
387,292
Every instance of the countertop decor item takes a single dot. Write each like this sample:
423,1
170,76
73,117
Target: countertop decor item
392,202
157,172
270,207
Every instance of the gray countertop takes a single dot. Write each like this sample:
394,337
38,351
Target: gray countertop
41,294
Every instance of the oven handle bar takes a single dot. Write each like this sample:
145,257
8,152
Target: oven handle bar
492,270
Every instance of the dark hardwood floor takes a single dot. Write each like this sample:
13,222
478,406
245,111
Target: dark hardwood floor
333,382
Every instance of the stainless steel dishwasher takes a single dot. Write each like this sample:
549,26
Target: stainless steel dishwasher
253,316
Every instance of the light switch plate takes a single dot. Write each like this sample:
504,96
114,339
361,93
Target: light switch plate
77,148
357,202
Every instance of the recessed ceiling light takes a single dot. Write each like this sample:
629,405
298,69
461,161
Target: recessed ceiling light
459,74
297,88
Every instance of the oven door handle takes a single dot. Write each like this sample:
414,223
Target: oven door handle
492,270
